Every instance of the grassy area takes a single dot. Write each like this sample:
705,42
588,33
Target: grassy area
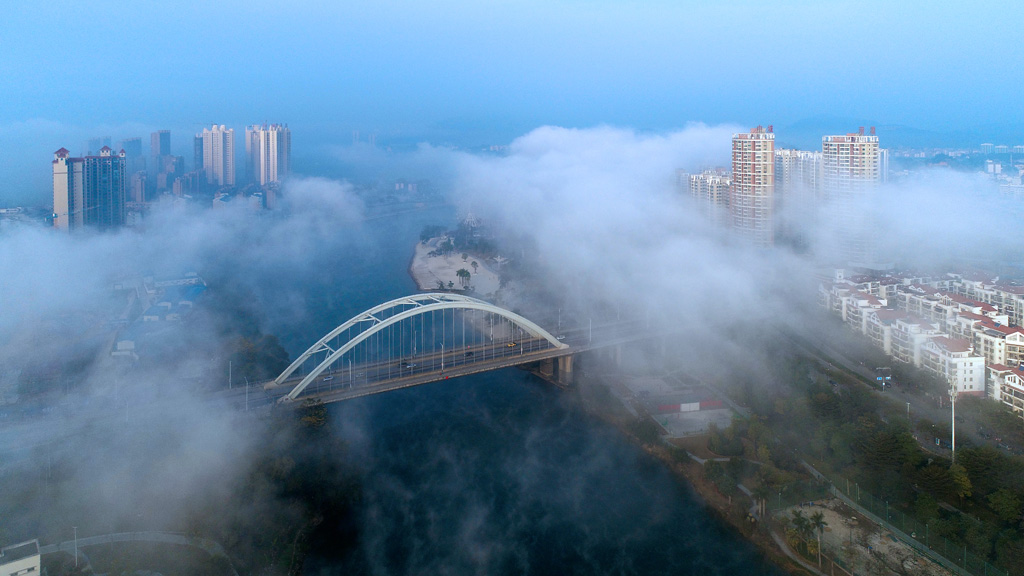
975,503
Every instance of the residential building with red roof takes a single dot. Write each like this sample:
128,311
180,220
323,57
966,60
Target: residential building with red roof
954,360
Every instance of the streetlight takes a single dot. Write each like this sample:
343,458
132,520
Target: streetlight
76,546
952,439
908,410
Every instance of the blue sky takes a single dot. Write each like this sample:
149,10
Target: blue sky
484,72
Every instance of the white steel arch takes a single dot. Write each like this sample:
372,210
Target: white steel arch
418,304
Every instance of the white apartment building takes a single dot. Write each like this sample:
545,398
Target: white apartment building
219,155
954,360
1006,385
909,336
878,326
797,173
710,191
999,343
20,559
856,305
269,148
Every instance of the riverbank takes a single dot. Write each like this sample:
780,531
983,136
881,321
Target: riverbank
866,546
441,272
600,400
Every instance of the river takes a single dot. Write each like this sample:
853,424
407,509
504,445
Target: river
496,473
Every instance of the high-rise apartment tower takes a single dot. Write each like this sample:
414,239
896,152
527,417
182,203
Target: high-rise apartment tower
752,195
850,177
710,192
219,155
160,143
89,191
269,149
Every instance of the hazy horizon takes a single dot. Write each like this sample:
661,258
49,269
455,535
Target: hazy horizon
469,75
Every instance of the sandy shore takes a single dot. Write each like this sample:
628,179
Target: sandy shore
427,271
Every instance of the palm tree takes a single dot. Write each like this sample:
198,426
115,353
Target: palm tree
799,522
761,493
801,525
463,275
817,521
474,265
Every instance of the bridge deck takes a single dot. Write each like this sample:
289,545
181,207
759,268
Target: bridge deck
396,383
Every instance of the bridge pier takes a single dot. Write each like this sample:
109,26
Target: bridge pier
559,371
565,371
547,369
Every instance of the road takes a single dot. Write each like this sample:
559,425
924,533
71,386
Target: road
916,406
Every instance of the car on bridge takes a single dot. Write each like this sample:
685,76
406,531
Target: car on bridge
511,344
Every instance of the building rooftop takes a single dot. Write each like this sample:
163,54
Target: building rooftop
16,552
952,344
1003,328
888,316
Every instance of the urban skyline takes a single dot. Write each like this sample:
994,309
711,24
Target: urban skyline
540,287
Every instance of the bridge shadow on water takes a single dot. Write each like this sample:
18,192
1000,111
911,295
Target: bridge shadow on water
500,473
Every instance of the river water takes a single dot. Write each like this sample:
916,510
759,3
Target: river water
495,473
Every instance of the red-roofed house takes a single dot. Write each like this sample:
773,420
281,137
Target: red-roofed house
998,343
909,336
855,305
878,327
954,360
1006,385
927,302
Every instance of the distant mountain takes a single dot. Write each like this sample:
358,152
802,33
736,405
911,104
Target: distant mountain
806,134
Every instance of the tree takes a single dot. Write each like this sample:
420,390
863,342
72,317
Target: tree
463,275
817,521
451,284
465,256
961,481
474,265
1005,504
440,284
430,231
761,493
801,527
314,414
926,508
935,480
986,467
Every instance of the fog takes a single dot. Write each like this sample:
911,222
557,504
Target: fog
594,213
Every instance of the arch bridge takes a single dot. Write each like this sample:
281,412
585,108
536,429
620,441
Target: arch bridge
414,340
